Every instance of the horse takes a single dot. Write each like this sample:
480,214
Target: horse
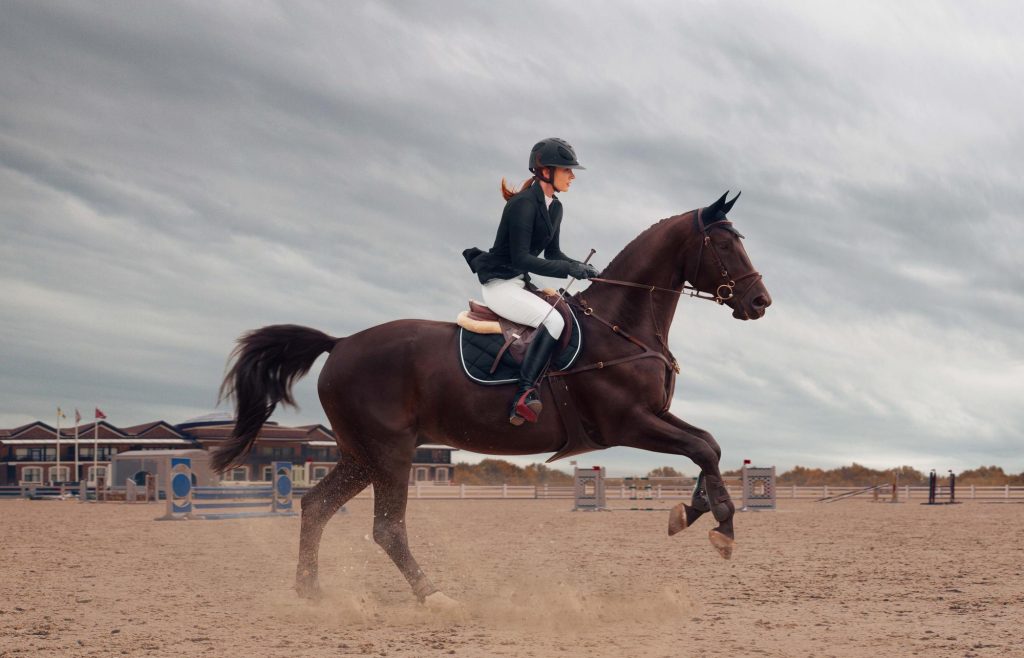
393,387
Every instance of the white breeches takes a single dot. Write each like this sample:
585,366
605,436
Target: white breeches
509,299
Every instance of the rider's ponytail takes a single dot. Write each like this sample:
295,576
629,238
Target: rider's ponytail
508,192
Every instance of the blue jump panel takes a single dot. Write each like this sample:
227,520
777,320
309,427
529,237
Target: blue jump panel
239,490
226,505
243,515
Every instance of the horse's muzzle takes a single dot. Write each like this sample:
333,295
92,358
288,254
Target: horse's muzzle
754,308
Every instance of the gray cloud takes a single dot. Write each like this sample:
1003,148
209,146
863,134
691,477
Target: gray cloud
174,174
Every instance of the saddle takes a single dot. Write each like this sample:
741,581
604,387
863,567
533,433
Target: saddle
492,347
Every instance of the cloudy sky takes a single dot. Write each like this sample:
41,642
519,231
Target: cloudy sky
173,174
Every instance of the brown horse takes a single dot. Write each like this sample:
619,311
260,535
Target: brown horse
393,387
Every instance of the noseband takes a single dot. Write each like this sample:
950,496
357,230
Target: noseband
723,293
728,284
725,290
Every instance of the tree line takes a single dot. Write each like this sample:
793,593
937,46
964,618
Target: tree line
499,471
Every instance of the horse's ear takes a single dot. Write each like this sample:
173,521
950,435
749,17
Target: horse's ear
711,212
728,206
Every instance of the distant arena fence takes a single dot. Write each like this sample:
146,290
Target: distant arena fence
757,490
187,501
34,491
664,489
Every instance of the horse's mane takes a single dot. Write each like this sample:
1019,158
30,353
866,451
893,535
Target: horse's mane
645,234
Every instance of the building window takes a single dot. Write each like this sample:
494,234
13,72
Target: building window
91,477
277,453
103,455
21,453
320,472
32,474
42,454
322,454
240,474
441,474
432,456
59,475
421,474
268,473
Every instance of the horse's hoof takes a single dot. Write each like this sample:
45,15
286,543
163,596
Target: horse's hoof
309,592
722,544
306,585
677,519
441,602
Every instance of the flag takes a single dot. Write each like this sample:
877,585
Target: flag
100,414
60,414
78,417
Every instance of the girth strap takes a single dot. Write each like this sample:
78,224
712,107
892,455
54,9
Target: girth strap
647,353
578,439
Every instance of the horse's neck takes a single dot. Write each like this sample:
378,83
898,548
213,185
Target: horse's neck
656,258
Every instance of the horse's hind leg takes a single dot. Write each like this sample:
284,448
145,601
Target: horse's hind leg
389,532
319,504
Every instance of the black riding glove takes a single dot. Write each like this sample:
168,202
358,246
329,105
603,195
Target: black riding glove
582,270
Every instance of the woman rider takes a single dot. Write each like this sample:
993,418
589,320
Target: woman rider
529,225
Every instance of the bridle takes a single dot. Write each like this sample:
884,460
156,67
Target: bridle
728,284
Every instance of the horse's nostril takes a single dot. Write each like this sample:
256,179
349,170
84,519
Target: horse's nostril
761,302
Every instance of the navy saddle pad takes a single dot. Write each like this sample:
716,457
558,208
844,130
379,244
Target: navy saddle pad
478,351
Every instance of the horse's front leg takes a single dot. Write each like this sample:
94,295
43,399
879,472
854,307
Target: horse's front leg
659,434
683,515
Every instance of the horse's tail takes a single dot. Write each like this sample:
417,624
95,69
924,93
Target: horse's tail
267,362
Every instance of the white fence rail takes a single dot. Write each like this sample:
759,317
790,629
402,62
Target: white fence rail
428,491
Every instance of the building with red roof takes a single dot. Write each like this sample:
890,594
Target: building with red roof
29,454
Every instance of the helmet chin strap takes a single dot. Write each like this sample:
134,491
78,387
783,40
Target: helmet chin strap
537,174
550,181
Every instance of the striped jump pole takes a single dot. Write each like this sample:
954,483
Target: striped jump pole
187,501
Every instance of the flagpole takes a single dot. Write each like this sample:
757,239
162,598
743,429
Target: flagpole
95,453
78,418
53,481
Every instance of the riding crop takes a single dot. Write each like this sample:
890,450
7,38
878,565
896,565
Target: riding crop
565,290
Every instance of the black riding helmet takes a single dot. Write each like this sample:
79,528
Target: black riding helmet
552,152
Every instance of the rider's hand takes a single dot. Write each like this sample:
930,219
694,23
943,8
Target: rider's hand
550,292
582,270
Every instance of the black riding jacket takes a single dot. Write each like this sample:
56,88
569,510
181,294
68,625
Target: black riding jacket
527,227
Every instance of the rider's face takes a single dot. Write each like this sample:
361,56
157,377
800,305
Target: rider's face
563,179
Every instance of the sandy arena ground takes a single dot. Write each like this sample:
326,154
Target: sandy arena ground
845,579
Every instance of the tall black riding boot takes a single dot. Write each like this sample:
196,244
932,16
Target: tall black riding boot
526,406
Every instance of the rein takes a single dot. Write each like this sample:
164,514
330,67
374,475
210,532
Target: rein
728,285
